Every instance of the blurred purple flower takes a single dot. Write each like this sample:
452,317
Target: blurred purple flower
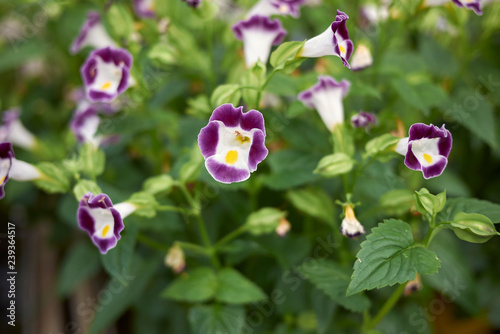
92,34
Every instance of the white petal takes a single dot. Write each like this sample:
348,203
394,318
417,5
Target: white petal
4,169
103,218
125,209
426,151
23,171
328,103
108,77
402,146
257,45
319,46
98,38
20,136
362,57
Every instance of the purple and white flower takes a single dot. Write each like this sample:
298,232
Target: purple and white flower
14,169
276,7
106,74
92,34
326,97
426,149
475,5
371,14
233,143
363,119
12,130
102,221
351,227
362,58
85,123
193,3
145,8
334,41
258,34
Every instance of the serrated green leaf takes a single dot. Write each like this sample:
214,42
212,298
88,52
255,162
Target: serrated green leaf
217,319
389,256
470,205
198,285
229,93
158,184
83,187
473,227
264,221
117,261
234,288
55,178
314,202
80,263
334,164
333,280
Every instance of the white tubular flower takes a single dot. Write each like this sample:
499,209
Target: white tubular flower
12,130
351,227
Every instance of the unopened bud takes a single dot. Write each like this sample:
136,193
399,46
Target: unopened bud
413,286
283,227
175,259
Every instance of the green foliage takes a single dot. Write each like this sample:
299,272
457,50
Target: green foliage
264,221
92,160
470,205
313,201
397,202
229,93
55,178
217,319
473,227
202,284
426,203
380,144
120,20
85,186
334,164
158,184
389,256
286,57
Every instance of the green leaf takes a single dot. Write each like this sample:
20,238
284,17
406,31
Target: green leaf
285,57
158,184
92,160
343,141
120,20
313,201
380,144
333,280
198,285
145,202
199,106
264,221
470,205
229,93
409,94
163,54
217,319
80,263
428,203
190,171
118,260
83,187
473,227
55,178
234,288
334,164
115,298
397,202
389,256
253,77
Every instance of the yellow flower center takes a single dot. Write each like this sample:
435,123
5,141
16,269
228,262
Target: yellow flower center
106,85
427,158
231,157
342,49
105,231
1,179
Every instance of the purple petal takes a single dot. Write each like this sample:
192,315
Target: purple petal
475,5
224,173
232,117
6,152
293,5
193,3
263,23
104,244
118,223
85,220
436,169
420,130
117,56
324,83
253,119
208,139
258,150
92,19
142,11
79,120
411,160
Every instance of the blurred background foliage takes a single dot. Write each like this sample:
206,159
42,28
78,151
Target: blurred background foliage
424,71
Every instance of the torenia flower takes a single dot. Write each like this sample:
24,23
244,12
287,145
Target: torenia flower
351,227
258,34
362,58
363,119
85,123
92,34
102,221
106,74
233,143
276,7
175,259
334,41
283,227
413,286
475,5
426,149
145,8
326,97
15,169
12,130
371,14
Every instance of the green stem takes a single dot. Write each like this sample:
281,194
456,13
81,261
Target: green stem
232,235
152,243
172,208
433,230
194,248
388,305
